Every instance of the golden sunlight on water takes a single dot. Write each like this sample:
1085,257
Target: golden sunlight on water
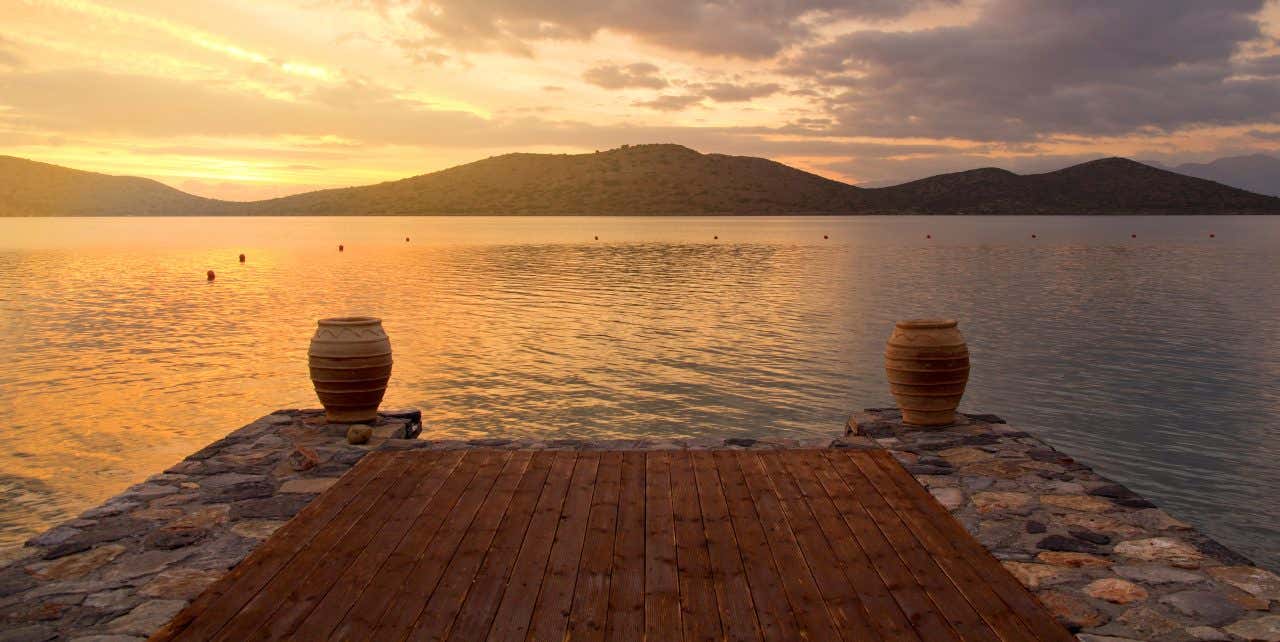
1156,361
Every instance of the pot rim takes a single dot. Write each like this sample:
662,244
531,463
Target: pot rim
926,324
347,321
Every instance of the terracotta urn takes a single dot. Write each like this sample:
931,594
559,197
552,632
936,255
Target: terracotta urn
927,364
350,359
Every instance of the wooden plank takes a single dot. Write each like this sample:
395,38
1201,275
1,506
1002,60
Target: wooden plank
476,613
777,620
918,519
798,583
915,604
326,556
551,611
699,609
224,598
888,619
589,613
964,620
661,583
384,589
418,588
626,582
511,619
729,579
989,586
358,555
852,621
438,613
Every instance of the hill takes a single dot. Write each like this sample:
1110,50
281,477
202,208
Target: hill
639,179
29,188
1105,186
1256,173
649,179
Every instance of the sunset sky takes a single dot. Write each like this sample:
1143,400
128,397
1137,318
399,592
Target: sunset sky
245,99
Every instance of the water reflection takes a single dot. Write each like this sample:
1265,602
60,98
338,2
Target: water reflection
1158,362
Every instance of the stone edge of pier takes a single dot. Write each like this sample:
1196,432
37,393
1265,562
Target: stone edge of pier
1106,562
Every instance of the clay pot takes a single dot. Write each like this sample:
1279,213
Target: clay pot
927,364
350,359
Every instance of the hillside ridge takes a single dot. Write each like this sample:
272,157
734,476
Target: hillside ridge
652,179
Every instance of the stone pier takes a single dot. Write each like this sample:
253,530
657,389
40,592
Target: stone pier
1105,561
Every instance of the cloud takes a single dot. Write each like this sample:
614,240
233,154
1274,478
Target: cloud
723,92
670,102
1027,69
752,29
7,57
640,74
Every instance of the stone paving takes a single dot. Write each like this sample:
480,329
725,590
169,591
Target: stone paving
1107,562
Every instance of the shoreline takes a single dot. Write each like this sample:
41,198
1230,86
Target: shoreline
1107,562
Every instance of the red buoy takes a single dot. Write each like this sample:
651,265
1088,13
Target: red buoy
824,236
1133,236
211,275
242,258
1033,236
597,238
717,238
406,239
928,236
340,248
1211,236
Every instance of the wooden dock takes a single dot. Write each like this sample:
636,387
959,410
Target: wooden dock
621,545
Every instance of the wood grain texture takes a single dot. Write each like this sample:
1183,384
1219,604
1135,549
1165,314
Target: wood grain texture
620,545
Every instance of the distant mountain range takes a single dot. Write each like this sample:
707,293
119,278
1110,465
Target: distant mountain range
648,179
1255,173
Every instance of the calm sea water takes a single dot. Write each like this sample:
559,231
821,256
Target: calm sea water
1156,359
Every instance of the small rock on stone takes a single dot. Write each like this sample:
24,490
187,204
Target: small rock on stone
1250,579
1073,612
359,434
1033,527
1116,591
147,617
1207,607
996,501
303,458
180,583
1082,503
312,486
78,564
1089,536
256,528
1208,634
951,498
1263,629
1158,574
1165,549
1073,560
1063,543
1034,576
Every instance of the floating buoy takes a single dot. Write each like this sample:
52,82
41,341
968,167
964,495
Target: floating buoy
597,238
242,258
211,275
406,239
340,248
1033,236
928,236
824,236
716,238
1133,236
1210,235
